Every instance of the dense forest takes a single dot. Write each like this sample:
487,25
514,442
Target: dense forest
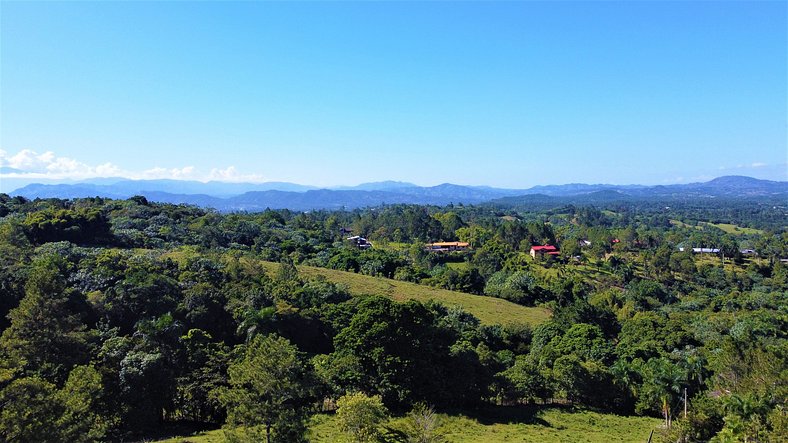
121,317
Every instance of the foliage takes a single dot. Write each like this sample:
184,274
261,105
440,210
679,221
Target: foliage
35,410
423,425
360,416
269,390
46,336
28,412
123,317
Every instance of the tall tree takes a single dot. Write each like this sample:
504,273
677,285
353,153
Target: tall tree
46,335
269,391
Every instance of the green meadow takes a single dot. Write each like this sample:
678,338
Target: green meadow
488,310
494,425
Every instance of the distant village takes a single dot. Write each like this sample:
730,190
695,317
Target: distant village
536,251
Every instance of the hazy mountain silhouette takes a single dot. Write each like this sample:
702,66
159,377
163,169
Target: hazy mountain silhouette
255,197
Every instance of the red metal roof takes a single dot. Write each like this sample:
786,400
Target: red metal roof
544,248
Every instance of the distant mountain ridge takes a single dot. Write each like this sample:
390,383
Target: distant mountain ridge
121,188
279,195
376,186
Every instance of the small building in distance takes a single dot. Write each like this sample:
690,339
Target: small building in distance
701,250
360,242
544,250
447,246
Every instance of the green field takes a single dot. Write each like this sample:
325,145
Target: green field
726,227
681,224
396,246
488,310
521,425
497,426
735,230
458,266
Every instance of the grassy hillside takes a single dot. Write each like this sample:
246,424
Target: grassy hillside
734,229
511,425
488,310
726,227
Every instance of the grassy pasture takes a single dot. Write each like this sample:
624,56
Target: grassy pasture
681,224
458,266
488,310
725,227
497,425
735,230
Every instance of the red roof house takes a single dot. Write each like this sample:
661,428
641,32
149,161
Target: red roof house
546,249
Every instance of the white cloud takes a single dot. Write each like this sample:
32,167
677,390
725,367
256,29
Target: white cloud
753,165
30,164
230,174
107,170
763,170
185,173
682,179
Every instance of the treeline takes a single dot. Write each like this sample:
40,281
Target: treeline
624,244
120,317
760,212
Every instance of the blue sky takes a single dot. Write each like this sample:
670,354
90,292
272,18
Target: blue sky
509,94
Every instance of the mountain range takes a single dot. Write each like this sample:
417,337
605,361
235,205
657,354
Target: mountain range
277,195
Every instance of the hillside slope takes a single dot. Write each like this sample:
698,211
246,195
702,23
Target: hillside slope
488,310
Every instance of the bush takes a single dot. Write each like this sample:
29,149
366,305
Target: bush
360,416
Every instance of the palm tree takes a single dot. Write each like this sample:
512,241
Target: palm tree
668,381
256,321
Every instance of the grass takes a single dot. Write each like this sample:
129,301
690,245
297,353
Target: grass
395,246
458,266
390,245
588,271
726,227
498,425
488,310
215,436
681,224
734,229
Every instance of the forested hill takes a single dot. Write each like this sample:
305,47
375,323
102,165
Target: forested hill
121,318
257,197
